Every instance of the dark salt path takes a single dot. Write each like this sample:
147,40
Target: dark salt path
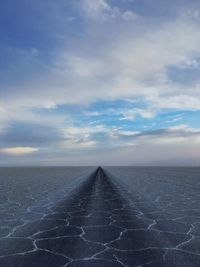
100,225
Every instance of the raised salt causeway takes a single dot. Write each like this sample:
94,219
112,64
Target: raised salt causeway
102,223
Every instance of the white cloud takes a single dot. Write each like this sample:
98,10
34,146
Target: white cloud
97,8
115,60
177,135
85,137
75,145
131,114
119,62
18,150
136,65
82,137
102,10
117,55
128,15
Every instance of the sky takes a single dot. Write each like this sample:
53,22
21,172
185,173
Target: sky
99,82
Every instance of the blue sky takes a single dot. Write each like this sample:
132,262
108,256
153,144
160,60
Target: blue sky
99,82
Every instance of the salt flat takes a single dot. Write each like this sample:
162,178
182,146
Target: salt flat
102,217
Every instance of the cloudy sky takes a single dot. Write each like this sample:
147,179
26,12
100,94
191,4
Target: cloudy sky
99,82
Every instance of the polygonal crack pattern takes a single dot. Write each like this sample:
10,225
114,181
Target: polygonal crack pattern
101,225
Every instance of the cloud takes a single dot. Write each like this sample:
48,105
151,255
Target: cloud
114,145
85,137
102,10
30,134
130,114
98,8
101,136
18,150
121,62
177,135
111,53
128,15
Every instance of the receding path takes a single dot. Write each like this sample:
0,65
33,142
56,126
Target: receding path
98,225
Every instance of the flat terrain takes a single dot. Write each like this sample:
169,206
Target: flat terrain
108,218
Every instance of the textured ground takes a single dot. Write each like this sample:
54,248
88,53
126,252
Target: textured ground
113,217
